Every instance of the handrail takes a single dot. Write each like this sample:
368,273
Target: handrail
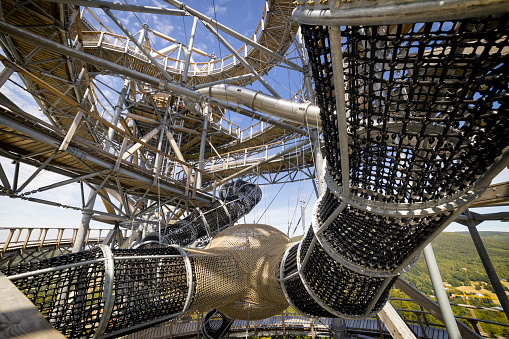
202,68
23,238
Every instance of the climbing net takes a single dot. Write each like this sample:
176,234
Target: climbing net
425,116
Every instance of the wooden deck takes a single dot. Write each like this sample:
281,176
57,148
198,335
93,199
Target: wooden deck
290,324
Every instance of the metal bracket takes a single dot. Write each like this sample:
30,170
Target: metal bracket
108,293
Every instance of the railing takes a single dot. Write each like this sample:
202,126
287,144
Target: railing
246,156
101,39
23,238
254,130
292,323
286,324
224,125
424,318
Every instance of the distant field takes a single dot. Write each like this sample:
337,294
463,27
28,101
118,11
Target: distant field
460,264
483,291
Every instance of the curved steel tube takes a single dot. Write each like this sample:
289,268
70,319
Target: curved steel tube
354,14
301,113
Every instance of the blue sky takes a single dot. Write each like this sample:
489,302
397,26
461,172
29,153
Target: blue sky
278,209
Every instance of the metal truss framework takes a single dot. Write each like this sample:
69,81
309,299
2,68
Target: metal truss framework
149,128
147,156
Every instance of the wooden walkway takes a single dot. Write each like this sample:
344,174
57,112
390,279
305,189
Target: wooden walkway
284,325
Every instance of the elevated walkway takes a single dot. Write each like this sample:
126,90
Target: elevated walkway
289,324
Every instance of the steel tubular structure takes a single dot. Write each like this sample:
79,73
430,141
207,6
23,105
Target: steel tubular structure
239,200
420,125
412,106
95,293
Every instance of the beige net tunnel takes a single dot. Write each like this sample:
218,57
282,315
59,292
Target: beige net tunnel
107,293
414,119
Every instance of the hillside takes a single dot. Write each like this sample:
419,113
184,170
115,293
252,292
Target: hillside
459,262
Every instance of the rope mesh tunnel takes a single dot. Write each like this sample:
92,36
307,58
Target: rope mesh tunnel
426,114
426,117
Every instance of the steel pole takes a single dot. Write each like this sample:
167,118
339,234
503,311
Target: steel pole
314,135
443,301
201,163
87,215
339,86
189,51
56,47
488,266
116,114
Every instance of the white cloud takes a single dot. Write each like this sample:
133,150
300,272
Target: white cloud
125,18
216,10
162,25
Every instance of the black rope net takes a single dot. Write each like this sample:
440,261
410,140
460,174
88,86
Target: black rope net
426,114
239,198
71,292
215,325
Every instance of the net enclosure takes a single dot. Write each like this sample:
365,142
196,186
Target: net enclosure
414,118
238,199
108,292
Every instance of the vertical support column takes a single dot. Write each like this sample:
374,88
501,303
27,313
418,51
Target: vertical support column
158,159
87,214
116,114
339,87
303,216
313,132
488,266
189,51
317,154
438,286
201,163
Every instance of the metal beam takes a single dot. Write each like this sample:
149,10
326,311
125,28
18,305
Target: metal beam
488,266
232,33
54,46
438,285
241,59
122,7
